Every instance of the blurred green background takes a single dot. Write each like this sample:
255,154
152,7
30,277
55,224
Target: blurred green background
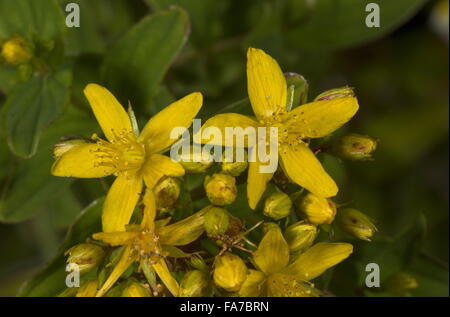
151,52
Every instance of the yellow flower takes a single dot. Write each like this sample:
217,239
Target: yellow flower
267,91
16,51
275,277
150,242
134,159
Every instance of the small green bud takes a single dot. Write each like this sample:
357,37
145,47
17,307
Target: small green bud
198,263
234,168
16,51
277,206
400,284
300,236
355,223
336,93
135,289
86,255
221,189
355,147
317,210
167,191
230,272
194,284
216,220
195,163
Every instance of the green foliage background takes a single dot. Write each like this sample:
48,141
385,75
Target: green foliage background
152,52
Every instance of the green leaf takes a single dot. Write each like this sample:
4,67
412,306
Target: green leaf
32,188
330,24
51,280
136,65
31,107
32,19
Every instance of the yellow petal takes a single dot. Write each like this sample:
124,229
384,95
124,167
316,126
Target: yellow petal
110,114
303,167
317,259
125,261
80,161
284,285
228,120
156,133
115,238
148,221
164,274
183,232
120,202
321,118
88,290
253,284
256,183
272,254
157,166
266,84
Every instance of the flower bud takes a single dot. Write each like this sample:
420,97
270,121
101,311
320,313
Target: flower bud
229,272
135,289
355,223
221,189
16,51
216,220
300,236
336,93
277,206
167,191
89,289
401,284
196,163
317,210
198,263
234,168
194,284
355,147
86,255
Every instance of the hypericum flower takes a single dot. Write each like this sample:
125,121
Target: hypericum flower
134,158
267,91
151,242
275,277
16,51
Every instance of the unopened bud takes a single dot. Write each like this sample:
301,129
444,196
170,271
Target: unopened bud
221,189
198,263
196,163
401,284
230,272
317,210
194,284
234,168
277,206
16,51
355,223
167,191
135,289
336,93
300,236
86,255
216,220
355,147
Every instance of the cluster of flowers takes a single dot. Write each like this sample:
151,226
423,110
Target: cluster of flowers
144,253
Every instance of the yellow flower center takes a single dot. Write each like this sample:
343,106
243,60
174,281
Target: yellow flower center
146,246
124,153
